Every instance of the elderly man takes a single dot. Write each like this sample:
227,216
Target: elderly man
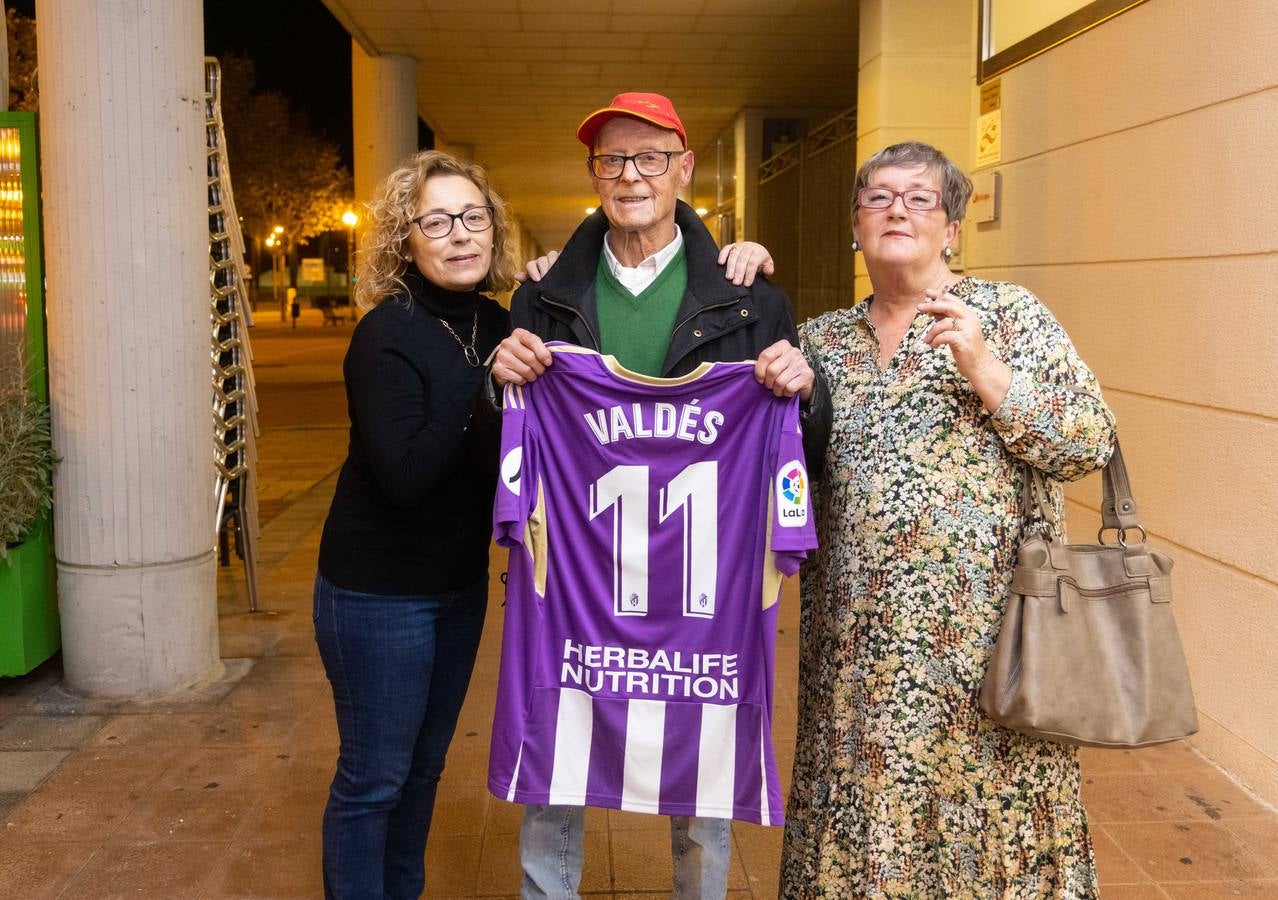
640,280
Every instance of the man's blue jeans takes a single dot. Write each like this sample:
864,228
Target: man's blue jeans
552,851
399,667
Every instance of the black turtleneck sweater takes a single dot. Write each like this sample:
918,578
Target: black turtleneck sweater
412,513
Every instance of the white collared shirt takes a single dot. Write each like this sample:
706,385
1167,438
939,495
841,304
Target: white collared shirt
637,279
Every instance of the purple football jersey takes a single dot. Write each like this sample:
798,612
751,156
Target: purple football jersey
650,522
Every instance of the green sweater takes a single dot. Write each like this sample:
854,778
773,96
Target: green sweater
637,330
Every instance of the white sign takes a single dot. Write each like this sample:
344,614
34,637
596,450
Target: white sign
312,269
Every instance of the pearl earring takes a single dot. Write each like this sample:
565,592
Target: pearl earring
856,245
947,253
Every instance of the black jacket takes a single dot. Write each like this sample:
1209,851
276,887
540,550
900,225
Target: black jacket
412,513
717,321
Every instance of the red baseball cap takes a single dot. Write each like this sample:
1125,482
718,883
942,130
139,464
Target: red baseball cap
652,108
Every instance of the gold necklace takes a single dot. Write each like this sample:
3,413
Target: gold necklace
468,349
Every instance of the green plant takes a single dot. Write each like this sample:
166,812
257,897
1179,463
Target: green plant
26,464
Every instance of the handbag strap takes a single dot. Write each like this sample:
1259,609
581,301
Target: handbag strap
1118,508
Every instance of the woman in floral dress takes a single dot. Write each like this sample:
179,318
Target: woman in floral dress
943,390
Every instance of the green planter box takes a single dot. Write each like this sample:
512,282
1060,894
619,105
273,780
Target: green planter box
29,630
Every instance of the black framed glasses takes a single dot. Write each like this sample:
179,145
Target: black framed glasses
915,199
440,224
650,163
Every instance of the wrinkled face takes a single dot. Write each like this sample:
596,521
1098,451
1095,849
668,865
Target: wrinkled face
900,236
459,260
637,202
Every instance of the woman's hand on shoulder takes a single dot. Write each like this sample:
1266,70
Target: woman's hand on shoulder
536,269
741,262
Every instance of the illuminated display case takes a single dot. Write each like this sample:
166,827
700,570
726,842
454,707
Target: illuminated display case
29,631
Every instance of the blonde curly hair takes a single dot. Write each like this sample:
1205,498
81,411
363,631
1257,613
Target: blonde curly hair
381,263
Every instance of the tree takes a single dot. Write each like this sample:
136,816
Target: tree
282,173
22,61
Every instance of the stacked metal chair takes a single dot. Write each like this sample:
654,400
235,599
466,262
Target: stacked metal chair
235,428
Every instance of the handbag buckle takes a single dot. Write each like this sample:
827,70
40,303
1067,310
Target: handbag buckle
1122,535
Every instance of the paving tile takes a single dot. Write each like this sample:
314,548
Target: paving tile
759,849
1176,756
483,865
1222,890
1136,798
9,802
460,810
40,871
225,768
621,820
503,817
290,868
157,731
1098,761
95,769
1260,834
1133,892
241,729
273,699
23,770
69,817
1113,866
186,816
28,732
286,669
1189,851
284,814
1216,796
153,869
58,701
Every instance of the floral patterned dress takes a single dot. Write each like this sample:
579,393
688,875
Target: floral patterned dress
901,786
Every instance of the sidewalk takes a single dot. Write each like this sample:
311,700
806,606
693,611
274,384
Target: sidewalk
218,794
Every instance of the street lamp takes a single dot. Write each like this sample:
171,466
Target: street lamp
275,243
350,220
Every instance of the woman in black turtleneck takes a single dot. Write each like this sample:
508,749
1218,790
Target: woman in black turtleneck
403,565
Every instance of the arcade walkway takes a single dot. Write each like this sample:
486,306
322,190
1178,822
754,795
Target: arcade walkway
218,794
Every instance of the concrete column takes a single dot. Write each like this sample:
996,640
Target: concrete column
126,251
915,81
383,116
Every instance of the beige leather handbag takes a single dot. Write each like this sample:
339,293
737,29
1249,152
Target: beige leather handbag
1088,652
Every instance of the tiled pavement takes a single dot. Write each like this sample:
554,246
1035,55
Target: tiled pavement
218,793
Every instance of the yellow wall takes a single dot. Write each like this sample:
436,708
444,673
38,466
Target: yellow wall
1139,179
1138,183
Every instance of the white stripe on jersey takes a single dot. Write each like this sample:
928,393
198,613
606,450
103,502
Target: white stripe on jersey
716,760
514,776
645,743
765,814
573,731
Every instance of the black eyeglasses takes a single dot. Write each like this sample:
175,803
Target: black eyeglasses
916,199
440,224
650,163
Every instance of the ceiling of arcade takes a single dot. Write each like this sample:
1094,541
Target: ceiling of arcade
513,78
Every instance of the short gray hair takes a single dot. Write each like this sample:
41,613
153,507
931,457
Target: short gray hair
956,188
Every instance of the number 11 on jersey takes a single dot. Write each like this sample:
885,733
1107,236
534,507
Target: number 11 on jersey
694,492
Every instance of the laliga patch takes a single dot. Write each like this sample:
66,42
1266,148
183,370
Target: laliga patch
792,489
512,467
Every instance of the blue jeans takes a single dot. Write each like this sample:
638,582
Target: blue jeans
399,667
552,851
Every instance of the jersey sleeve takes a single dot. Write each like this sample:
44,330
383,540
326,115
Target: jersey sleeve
513,503
793,531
